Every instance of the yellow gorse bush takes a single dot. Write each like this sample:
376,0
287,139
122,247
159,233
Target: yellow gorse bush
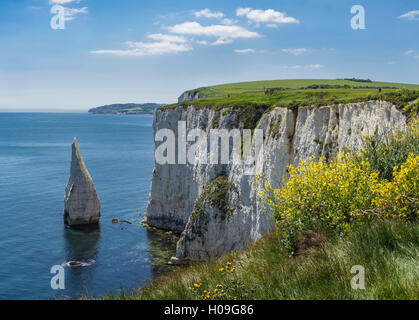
400,198
333,193
340,195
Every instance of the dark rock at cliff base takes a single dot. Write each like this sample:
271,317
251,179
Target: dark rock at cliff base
81,202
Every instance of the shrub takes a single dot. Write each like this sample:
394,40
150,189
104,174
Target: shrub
320,195
400,198
412,109
385,152
340,196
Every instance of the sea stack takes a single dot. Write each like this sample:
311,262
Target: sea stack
81,202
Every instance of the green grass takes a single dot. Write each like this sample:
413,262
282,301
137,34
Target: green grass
260,86
388,251
294,93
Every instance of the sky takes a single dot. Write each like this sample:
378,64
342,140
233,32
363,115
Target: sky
66,55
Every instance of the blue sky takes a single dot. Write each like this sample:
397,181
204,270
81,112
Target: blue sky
118,51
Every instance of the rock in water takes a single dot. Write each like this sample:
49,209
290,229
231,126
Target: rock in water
81,202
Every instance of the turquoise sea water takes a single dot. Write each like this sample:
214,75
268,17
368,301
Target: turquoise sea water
35,154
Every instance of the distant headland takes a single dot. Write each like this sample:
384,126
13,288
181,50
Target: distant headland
127,108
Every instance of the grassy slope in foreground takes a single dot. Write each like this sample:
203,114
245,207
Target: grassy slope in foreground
388,251
294,93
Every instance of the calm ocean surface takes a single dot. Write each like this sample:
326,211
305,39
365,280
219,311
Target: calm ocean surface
35,155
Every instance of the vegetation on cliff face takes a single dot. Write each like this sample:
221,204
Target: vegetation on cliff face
128,108
215,193
384,153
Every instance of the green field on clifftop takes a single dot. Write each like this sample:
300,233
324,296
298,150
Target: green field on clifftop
302,92
253,87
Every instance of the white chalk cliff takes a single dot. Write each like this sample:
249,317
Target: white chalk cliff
81,202
290,136
187,96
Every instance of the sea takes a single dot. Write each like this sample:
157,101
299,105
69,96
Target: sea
35,156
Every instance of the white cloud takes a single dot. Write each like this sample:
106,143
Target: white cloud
310,66
221,41
63,1
70,13
207,13
391,62
411,15
221,31
269,16
412,53
167,44
228,21
225,34
167,38
244,51
296,52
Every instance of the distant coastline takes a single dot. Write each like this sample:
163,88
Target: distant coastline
127,108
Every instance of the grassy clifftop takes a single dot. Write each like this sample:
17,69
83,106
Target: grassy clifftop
303,92
241,88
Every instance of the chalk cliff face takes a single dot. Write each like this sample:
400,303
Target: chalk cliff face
290,136
188,96
81,202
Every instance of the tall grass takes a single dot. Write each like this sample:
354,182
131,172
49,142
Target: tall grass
388,251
